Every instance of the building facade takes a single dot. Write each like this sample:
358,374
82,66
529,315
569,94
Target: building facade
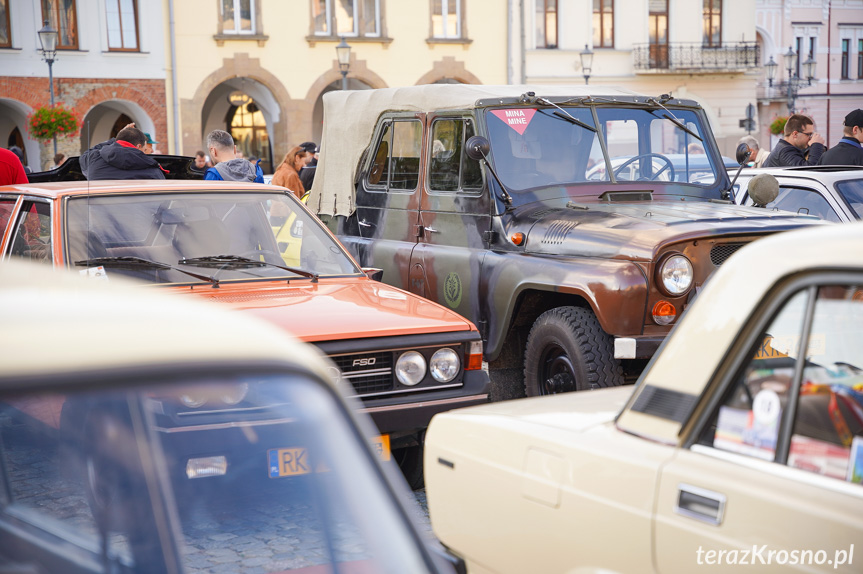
258,68
699,49
828,32
109,70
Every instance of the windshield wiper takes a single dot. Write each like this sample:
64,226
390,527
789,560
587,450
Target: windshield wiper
563,114
238,262
139,262
673,119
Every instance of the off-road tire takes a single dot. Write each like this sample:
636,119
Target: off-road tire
410,461
567,350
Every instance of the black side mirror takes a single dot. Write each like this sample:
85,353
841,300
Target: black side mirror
742,154
373,273
477,147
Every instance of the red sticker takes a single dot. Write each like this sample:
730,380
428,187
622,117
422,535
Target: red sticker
518,119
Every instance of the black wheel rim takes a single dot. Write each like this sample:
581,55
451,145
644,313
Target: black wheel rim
558,373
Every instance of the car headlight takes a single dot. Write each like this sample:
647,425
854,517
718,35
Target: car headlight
193,400
233,394
410,368
675,275
444,365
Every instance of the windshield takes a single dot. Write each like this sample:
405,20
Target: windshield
265,474
182,233
852,191
542,146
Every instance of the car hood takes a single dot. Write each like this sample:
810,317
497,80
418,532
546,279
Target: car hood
636,230
569,412
342,308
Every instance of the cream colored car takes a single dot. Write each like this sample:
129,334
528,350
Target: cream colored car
740,448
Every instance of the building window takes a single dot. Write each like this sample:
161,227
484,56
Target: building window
61,15
860,59
122,24
546,23
5,31
446,19
846,56
346,17
713,23
603,23
658,22
238,16
800,58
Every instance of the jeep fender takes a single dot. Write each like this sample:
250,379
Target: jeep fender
522,288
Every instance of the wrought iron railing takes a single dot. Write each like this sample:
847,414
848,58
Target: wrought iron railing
680,57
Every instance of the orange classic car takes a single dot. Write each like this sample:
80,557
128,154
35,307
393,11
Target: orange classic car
258,249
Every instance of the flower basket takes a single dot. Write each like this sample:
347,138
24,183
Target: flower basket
777,126
46,122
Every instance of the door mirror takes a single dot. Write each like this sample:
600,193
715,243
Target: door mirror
742,154
477,148
374,273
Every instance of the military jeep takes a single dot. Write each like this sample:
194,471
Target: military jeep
573,225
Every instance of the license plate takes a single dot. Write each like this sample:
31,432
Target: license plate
295,461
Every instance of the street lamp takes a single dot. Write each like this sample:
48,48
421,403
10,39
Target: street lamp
586,56
343,53
794,82
48,39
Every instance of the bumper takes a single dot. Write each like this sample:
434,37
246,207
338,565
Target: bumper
639,347
409,414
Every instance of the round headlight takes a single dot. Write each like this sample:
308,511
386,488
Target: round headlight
193,400
444,365
675,275
233,394
410,368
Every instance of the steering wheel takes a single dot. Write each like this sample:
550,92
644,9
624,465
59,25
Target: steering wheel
659,156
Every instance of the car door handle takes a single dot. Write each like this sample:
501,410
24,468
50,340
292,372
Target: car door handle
700,504
363,223
430,229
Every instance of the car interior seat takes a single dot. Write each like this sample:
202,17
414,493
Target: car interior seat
201,238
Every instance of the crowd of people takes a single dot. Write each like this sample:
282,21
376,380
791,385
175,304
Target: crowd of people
126,156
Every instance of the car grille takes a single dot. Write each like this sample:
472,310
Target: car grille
367,372
719,254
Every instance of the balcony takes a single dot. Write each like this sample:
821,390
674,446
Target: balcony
691,58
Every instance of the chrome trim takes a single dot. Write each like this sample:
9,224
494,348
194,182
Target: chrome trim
455,400
231,410
369,373
220,426
782,471
717,497
410,390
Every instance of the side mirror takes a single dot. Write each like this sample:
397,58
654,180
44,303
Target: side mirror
373,273
763,189
477,147
742,154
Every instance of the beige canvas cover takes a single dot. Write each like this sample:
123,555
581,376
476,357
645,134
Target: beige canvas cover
350,118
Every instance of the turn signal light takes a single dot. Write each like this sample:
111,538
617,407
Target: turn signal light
517,238
664,313
473,360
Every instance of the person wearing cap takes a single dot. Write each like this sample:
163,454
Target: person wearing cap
122,157
307,174
848,151
148,145
799,134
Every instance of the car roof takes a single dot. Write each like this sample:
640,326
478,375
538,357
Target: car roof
351,116
818,172
58,189
689,356
57,323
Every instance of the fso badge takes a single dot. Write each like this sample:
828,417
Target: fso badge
452,290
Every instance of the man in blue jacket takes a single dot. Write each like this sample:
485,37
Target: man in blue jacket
229,167
122,157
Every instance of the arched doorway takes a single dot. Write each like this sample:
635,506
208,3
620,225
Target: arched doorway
247,110
13,131
101,122
318,113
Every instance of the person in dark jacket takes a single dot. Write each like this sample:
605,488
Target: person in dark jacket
307,174
799,134
848,151
122,157
228,166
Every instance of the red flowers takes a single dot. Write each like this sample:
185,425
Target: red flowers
46,122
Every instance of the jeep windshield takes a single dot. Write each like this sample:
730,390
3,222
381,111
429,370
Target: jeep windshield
540,145
209,237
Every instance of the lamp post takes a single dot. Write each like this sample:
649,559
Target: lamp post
586,56
48,40
794,82
343,53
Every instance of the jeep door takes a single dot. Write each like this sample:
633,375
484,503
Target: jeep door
388,198
454,218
